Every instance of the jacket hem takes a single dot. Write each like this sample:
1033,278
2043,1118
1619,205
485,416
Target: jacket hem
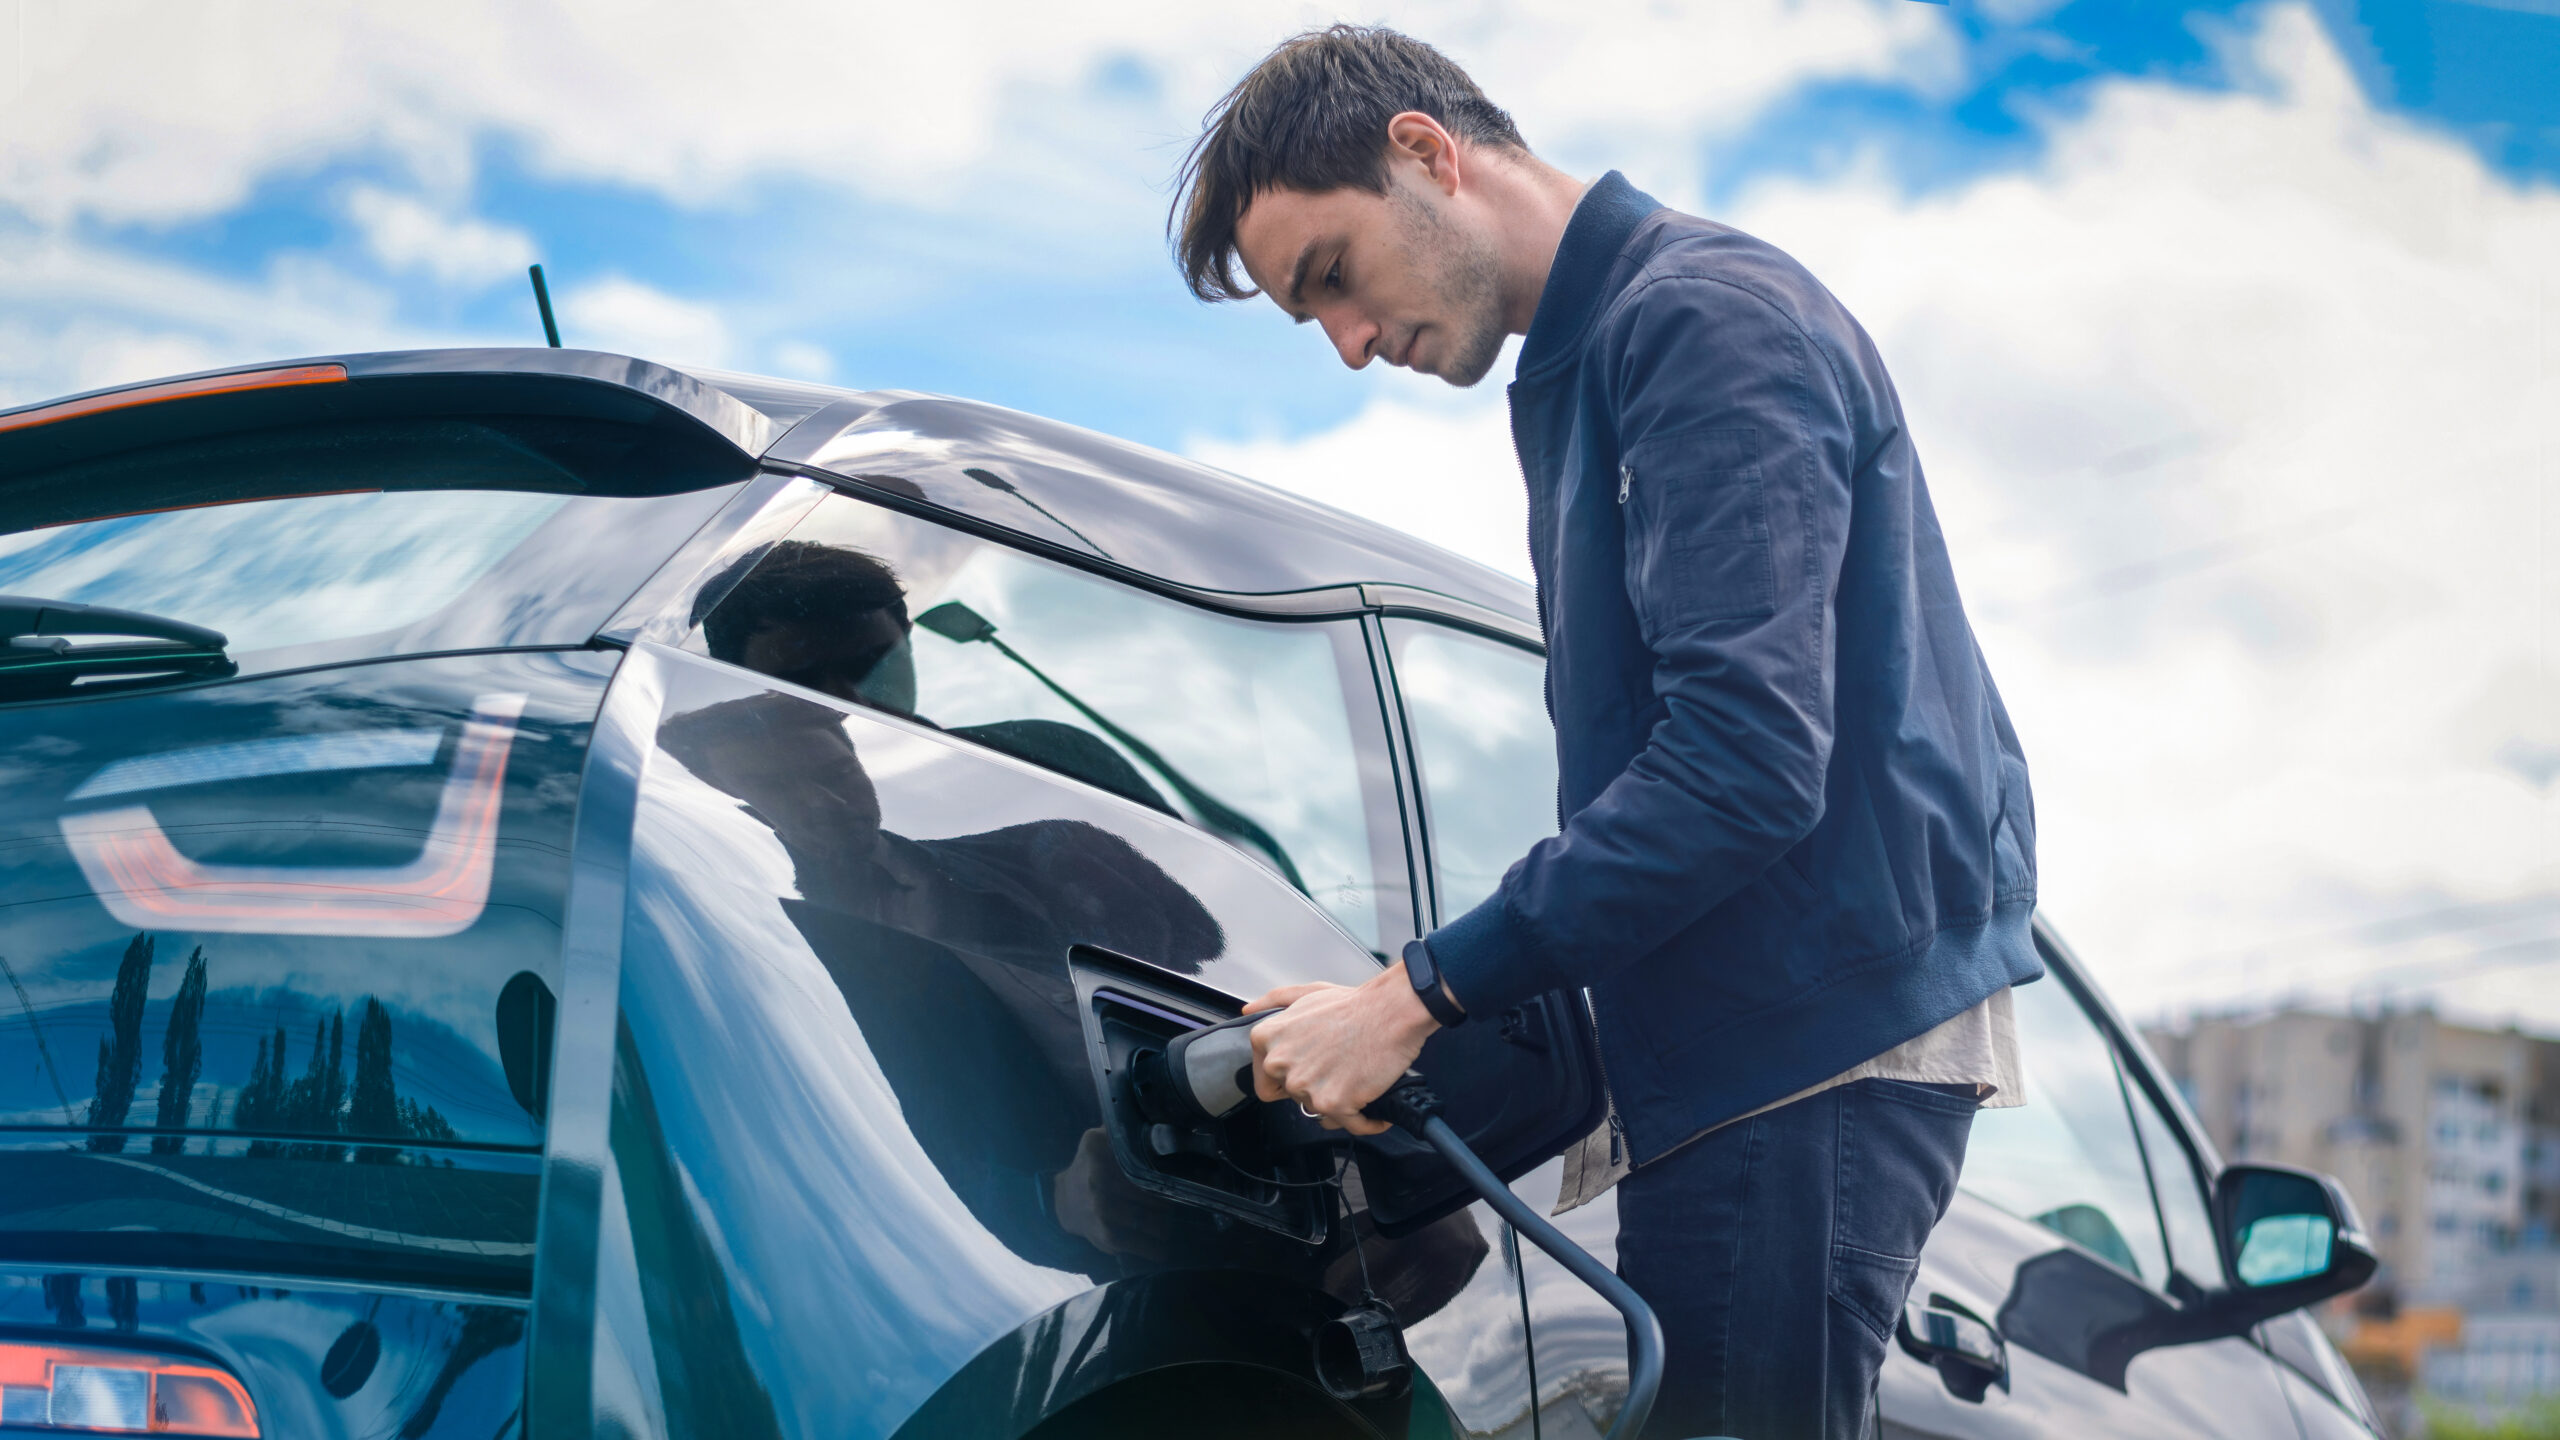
1739,1067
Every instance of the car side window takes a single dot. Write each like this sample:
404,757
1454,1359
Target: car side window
2067,1159
1263,733
1477,712
2184,1213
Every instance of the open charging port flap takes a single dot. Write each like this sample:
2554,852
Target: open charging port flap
1255,1164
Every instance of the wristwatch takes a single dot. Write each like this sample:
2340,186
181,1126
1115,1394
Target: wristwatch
1427,984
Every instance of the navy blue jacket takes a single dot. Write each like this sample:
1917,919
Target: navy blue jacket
1798,831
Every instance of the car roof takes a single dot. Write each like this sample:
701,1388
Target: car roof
1070,491
1094,495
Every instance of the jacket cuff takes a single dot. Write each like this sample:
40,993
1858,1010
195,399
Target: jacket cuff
1489,959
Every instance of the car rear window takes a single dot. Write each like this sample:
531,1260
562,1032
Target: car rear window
270,573
317,545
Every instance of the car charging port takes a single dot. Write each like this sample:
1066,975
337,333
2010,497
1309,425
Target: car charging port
1264,1164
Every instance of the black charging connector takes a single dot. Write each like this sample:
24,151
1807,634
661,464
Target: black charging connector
1199,1084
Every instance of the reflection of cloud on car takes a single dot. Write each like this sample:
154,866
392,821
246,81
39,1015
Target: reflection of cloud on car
738,1047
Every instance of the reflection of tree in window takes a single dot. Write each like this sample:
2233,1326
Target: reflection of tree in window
321,1101
120,1049
181,1056
318,1101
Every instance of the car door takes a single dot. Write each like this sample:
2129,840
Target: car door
2080,1223
915,808
1473,712
2079,1156
2327,1398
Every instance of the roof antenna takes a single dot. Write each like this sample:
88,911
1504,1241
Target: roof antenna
542,301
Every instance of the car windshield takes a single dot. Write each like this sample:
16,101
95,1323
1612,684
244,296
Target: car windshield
270,573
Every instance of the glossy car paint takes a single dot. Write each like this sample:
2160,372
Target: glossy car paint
323,1362
322,961
819,1152
852,1140
1124,506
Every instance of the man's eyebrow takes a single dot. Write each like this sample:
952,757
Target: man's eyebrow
1298,275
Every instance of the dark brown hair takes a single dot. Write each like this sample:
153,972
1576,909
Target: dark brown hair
1313,117
797,582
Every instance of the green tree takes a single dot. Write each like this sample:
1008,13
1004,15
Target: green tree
2539,1420
313,1103
261,1102
373,1107
181,1056
120,1049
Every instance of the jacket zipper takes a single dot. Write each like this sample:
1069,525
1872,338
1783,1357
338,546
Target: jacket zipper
1617,1126
1538,592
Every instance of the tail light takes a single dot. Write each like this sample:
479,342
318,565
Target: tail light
118,1392
237,380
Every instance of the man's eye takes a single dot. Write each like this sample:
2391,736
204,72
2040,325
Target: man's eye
1333,277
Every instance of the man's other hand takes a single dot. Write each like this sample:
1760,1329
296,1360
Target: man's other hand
1335,1048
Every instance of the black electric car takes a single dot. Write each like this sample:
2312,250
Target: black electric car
545,894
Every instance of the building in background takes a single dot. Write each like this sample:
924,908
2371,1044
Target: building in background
2448,1138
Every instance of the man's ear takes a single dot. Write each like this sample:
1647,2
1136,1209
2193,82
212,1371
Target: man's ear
1417,139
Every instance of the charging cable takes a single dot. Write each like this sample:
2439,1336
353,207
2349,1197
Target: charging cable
1411,1106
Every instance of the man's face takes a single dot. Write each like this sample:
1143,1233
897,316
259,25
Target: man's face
1406,277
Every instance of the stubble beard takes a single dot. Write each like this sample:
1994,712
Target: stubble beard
1466,284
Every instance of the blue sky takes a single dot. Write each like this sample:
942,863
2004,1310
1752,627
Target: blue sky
968,288
2191,309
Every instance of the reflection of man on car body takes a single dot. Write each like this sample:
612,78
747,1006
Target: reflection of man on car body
1796,868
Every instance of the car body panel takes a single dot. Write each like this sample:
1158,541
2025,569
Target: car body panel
820,1149
437,1366
852,1139
398,382
2003,1267
2069,1322
289,949
1124,504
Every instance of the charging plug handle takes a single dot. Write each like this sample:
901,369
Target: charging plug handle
1411,1106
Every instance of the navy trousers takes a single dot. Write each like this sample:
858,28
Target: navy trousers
1778,1251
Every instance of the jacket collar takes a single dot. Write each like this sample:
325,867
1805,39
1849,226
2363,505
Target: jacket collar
1601,225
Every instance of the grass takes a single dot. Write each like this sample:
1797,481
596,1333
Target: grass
2538,1421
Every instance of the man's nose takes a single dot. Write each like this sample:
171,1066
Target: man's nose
1353,338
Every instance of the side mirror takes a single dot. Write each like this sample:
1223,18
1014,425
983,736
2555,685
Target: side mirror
2289,1238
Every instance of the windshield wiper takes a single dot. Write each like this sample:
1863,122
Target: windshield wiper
39,656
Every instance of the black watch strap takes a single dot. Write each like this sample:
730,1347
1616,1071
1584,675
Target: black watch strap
1428,985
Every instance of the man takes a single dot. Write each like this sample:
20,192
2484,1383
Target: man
1796,871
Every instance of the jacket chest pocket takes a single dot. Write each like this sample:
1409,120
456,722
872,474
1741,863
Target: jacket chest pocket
1697,528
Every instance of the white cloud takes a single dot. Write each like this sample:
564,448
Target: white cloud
128,113
630,318
1438,466
129,110
79,317
407,234
132,113
800,360
2239,413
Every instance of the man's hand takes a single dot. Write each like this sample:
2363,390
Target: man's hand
1335,1048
